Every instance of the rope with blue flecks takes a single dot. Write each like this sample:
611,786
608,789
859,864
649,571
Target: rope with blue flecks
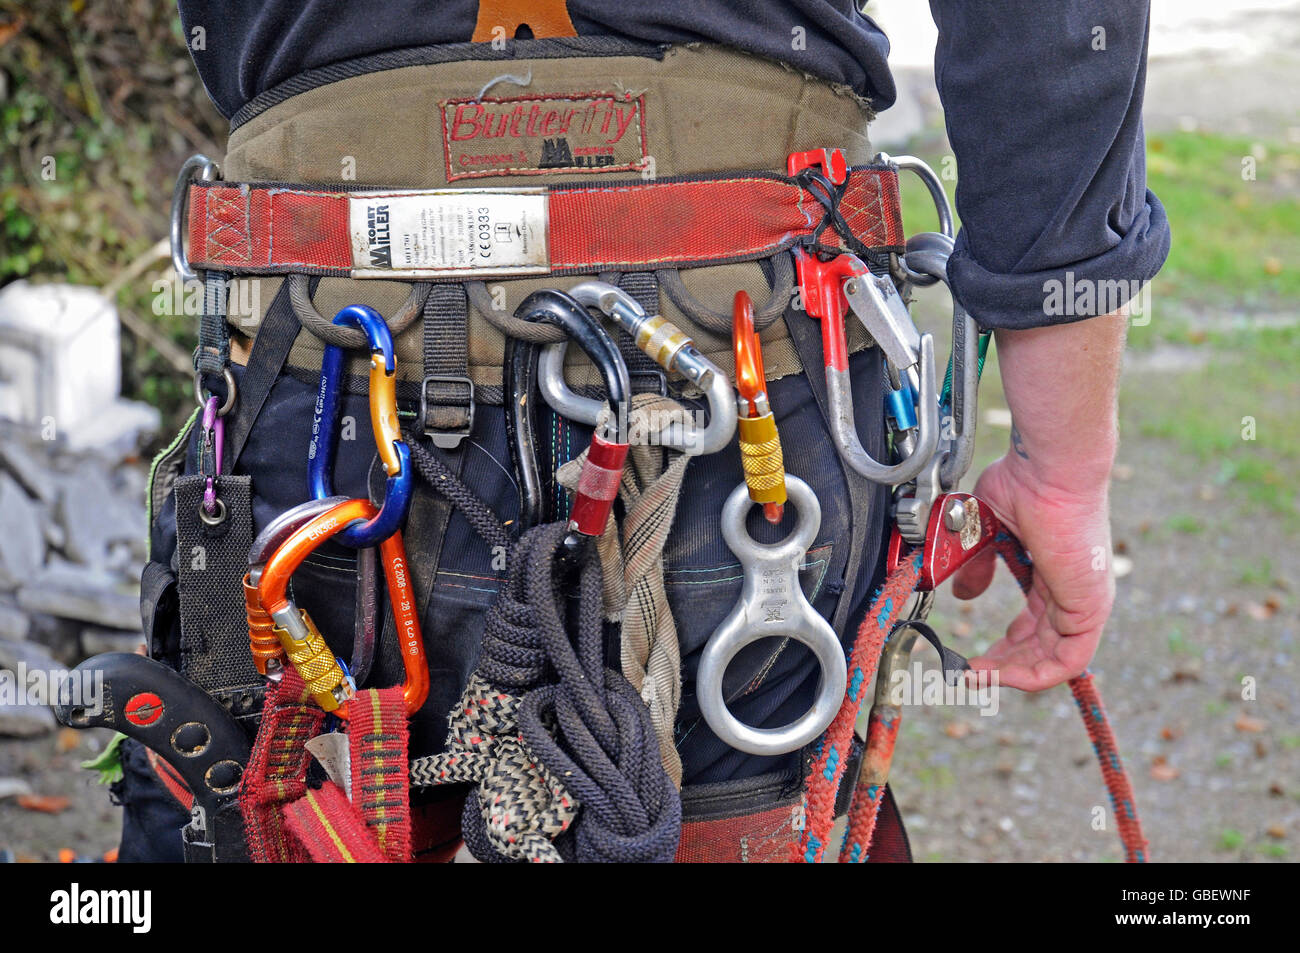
827,770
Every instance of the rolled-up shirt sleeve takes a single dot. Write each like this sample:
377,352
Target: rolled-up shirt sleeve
1043,106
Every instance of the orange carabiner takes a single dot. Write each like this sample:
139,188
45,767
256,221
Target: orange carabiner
760,444
750,378
298,634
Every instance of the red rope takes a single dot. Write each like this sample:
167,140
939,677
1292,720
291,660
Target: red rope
828,766
1088,699
823,782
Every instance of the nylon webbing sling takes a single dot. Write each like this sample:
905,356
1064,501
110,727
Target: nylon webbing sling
212,357
627,226
447,393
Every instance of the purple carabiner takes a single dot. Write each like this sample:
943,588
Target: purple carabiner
214,438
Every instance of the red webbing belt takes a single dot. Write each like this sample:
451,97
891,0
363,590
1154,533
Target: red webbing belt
261,228
285,821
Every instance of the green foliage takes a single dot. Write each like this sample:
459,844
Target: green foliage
99,105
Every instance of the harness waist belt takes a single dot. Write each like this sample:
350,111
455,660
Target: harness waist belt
267,228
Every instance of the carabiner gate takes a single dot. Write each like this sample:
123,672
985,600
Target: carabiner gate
302,641
393,451
664,343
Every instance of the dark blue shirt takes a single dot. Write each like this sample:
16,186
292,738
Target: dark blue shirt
1043,104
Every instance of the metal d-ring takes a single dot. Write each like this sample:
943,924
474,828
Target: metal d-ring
771,605
232,391
932,184
205,170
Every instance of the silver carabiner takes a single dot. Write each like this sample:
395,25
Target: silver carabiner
772,605
949,461
669,347
876,303
205,170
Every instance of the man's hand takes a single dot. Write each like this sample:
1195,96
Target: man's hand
1051,491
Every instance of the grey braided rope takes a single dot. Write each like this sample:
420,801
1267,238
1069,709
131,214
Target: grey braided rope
348,337
719,322
507,323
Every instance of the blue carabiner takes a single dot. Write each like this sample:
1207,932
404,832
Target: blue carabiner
393,451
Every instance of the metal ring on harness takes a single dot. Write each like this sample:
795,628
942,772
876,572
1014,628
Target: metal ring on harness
672,350
598,484
771,605
302,641
932,184
321,327
205,170
393,451
232,389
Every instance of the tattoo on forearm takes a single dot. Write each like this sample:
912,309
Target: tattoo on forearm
1018,442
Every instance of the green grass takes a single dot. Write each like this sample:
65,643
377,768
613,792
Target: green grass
1232,236
1258,572
1231,839
1240,422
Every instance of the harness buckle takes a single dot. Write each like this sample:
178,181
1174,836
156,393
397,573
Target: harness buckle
440,400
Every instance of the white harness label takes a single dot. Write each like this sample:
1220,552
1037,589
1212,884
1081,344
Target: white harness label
449,233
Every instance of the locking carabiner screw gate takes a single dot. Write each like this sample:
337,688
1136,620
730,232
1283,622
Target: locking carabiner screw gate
669,347
760,444
303,643
394,454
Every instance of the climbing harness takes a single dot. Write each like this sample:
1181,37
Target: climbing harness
771,605
565,758
393,450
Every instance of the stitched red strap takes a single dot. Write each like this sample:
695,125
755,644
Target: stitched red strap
285,822
630,225
378,737
277,771
331,828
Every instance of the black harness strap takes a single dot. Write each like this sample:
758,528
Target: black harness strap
210,563
447,393
271,349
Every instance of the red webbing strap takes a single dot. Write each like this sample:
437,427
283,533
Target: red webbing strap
381,786
331,829
277,771
625,226
828,766
764,837
285,821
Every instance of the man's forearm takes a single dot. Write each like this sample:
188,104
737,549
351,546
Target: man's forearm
1061,383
